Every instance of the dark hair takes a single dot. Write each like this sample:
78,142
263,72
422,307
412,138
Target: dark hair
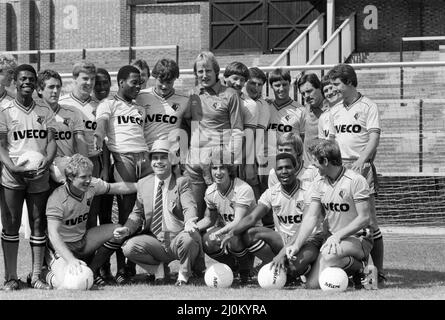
166,70
345,73
327,149
24,67
312,78
125,71
104,72
255,72
46,75
142,64
237,68
278,75
286,155
324,82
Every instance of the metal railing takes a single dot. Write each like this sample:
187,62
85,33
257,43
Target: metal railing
339,46
298,52
413,39
83,51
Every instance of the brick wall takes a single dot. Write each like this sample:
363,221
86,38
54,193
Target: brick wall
396,19
3,26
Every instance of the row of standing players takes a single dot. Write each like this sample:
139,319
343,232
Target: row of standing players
127,125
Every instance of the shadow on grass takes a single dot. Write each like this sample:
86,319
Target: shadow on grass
413,279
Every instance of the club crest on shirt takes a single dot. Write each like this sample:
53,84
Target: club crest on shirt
276,209
287,117
66,121
175,106
300,205
40,119
341,193
216,105
93,112
356,116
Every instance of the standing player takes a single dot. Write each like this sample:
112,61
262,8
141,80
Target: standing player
254,89
24,125
310,89
332,97
355,123
343,195
102,84
67,211
287,200
84,76
68,122
121,120
7,65
144,69
228,200
236,74
165,108
217,121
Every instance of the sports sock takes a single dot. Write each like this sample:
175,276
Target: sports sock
103,254
10,246
38,247
262,251
220,256
377,251
353,266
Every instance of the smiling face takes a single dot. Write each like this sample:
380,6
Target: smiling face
102,86
220,174
82,180
331,94
322,167
129,88
51,92
281,89
84,84
161,165
26,83
236,82
286,172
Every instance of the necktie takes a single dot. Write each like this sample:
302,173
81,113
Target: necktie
156,224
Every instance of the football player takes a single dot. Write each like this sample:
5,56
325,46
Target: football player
25,125
355,123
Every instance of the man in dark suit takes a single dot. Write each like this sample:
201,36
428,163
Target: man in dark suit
167,212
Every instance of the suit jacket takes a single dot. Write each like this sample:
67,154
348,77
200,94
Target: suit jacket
180,204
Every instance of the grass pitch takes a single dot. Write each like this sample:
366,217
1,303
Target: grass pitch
414,264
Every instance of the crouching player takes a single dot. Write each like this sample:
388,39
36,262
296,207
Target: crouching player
344,196
287,200
67,213
228,200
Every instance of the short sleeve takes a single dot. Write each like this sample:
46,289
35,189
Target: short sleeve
54,207
266,198
103,111
359,188
244,196
373,120
208,198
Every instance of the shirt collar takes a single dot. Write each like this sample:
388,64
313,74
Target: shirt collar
216,88
166,181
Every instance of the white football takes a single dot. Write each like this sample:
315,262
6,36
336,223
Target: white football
32,159
81,281
57,169
218,275
271,279
333,279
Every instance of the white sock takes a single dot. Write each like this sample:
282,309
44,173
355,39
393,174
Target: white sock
159,274
182,277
